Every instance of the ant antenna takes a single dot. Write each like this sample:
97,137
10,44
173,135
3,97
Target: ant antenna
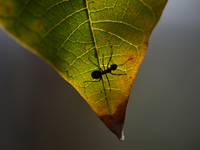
125,62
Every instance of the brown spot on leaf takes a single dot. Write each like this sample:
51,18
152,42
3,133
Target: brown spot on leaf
146,45
145,24
131,56
38,24
8,8
131,77
141,18
115,122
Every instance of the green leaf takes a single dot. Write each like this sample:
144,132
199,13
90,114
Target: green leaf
78,37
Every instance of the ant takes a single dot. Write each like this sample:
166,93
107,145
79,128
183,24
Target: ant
98,74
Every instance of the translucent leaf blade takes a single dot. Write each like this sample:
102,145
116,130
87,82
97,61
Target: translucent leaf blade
68,33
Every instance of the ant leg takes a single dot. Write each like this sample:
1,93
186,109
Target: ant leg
108,81
121,65
112,61
110,57
93,81
103,63
117,74
94,64
125,62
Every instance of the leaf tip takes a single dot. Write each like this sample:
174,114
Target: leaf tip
122,138
115,121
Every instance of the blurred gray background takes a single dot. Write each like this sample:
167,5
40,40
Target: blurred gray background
40,111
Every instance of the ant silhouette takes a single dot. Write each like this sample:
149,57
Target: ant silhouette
99,73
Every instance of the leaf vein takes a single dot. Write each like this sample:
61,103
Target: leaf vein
60,23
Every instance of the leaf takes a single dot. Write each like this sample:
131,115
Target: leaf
76,36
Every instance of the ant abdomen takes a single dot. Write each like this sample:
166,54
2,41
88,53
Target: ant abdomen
96,74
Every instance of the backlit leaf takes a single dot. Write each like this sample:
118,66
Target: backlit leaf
78,37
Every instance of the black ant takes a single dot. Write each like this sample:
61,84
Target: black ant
98,74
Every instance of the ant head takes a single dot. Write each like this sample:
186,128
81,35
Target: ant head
113,67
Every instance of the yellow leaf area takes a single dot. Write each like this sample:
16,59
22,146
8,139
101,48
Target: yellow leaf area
96,45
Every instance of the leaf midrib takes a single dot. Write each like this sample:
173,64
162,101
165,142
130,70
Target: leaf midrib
95,43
